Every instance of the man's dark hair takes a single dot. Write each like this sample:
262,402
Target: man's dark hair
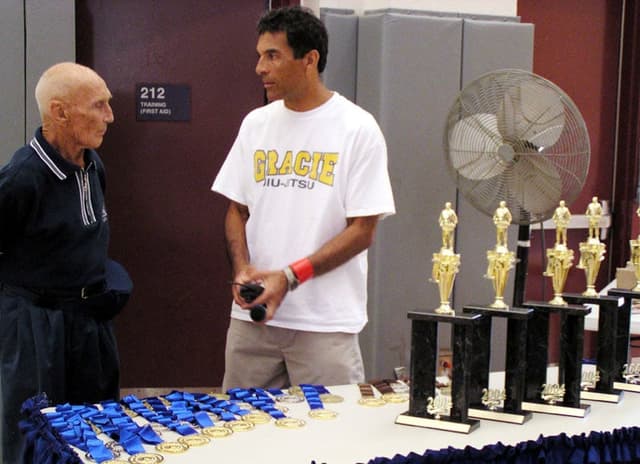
304,31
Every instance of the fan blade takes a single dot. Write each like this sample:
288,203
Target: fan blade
532,112
534,184
473,147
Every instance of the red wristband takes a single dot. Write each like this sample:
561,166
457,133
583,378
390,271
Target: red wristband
303,269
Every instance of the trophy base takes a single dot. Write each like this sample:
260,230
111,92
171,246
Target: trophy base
624,386
499,415
607,397
558,301
445,423
499,304
444,308
590,292
557,408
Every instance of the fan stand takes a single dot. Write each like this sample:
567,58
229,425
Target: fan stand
520,282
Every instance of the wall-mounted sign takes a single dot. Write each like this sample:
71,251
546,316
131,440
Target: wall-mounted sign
163,102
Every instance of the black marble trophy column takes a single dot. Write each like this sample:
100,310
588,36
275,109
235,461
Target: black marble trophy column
623,339
606,364
424,353
572,345
515,369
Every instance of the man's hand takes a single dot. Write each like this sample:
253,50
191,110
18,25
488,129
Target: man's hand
275,288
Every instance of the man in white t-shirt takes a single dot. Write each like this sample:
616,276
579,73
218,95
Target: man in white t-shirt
307,182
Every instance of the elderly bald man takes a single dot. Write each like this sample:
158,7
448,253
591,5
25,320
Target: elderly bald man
56,332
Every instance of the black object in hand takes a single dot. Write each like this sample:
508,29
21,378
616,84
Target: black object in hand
250,292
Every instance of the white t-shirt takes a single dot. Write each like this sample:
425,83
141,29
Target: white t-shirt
301,175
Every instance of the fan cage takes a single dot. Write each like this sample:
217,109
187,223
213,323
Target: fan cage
512,135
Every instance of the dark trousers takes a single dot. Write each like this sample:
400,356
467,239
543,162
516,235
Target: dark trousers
60,350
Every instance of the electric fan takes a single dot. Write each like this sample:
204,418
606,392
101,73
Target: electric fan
512,135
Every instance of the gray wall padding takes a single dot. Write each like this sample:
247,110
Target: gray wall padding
410,70
408,75
488,46
340,73
11,77
34,34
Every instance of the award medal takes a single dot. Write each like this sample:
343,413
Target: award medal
172,447
257,417
368,397
217,432
389,392
262,403
146,458
239,426
290,423
316,406
111,419
194,440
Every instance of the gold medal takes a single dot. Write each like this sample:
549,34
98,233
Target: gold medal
395,397
172,447
221,396
217,432
115,447
372,401
290,423
146,458
295,390
289,399
194,440
323,414
239,426
331,398
257,417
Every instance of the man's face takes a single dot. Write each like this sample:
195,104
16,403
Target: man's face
89,114
283,76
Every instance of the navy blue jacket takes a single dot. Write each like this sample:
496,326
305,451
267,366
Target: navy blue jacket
54,230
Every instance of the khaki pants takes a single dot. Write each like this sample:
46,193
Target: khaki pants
262,356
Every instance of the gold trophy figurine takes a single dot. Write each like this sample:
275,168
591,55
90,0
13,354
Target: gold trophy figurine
635,257
592,251
446,263
559,258
500,258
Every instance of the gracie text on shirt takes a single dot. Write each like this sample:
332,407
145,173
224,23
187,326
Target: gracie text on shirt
313,166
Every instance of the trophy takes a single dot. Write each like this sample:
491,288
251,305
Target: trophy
446,263
592,251
500,258
635,257
428,407
562,397
627,373
559,258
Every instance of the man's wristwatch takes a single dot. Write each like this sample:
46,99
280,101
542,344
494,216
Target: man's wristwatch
292,280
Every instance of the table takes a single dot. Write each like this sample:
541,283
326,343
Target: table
361,433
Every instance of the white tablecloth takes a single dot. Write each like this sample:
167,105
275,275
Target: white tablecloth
362,433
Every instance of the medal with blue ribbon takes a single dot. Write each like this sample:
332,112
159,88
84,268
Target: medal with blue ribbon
316,406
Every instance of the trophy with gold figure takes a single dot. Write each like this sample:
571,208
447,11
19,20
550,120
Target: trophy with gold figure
500,258
635,257
446,263
559,258
592,251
